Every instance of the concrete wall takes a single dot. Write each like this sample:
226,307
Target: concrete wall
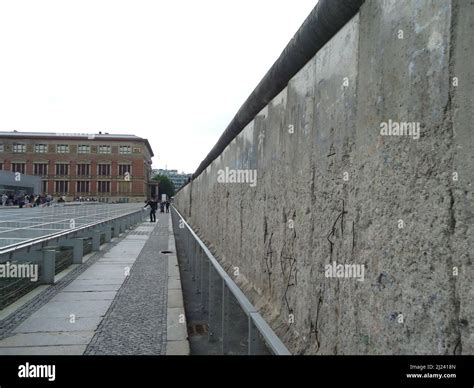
331,188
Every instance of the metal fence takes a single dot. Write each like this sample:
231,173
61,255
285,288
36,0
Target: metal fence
232,320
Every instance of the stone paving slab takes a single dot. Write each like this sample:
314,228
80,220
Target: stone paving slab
36,325
104,271
89,308
175,298
61,350
174,283
138,237
91,288
177,335
124,263
99,282
176,329
48,339
177,348
130,249
115,259
78,296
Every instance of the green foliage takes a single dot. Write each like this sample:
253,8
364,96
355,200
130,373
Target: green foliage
165,186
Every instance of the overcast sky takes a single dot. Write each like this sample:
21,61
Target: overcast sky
175,72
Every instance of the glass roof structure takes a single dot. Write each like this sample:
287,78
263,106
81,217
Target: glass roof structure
27,224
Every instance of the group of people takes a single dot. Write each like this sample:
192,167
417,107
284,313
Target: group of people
85,199
154,203
26,200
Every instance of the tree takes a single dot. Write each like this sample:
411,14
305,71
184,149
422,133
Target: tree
165,186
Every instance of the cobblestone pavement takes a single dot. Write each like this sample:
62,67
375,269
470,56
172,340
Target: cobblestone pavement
135,323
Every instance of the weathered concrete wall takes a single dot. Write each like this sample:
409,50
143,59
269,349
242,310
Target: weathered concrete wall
330,188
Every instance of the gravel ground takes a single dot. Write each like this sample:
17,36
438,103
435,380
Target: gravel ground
135,323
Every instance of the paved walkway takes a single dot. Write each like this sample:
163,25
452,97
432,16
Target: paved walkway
114,303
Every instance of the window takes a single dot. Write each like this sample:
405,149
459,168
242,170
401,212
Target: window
62,169
1,166
125,187
125,150
62,148
122,169
61,187
2,148
83,169
137,150
104,149
103,186
17,148
103,169
41,148
82,186
40,169
83,149
19,167
44,187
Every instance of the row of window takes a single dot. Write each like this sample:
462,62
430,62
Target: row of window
82,169
65,149
83,187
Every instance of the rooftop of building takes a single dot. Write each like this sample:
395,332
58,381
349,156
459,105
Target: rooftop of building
75,136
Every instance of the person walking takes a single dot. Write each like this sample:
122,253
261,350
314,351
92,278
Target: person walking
153,206
167,204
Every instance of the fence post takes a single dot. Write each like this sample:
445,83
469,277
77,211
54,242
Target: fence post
108,232
205,283
96,239
116,228
77,244
255,344
48,267
225,318
215,305
198,261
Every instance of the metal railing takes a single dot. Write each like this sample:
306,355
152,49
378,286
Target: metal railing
232,319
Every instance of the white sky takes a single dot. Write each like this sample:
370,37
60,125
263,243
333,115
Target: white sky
175,72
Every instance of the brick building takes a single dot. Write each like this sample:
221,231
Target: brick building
112,168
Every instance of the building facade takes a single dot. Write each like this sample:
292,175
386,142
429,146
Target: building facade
178,179
108,167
